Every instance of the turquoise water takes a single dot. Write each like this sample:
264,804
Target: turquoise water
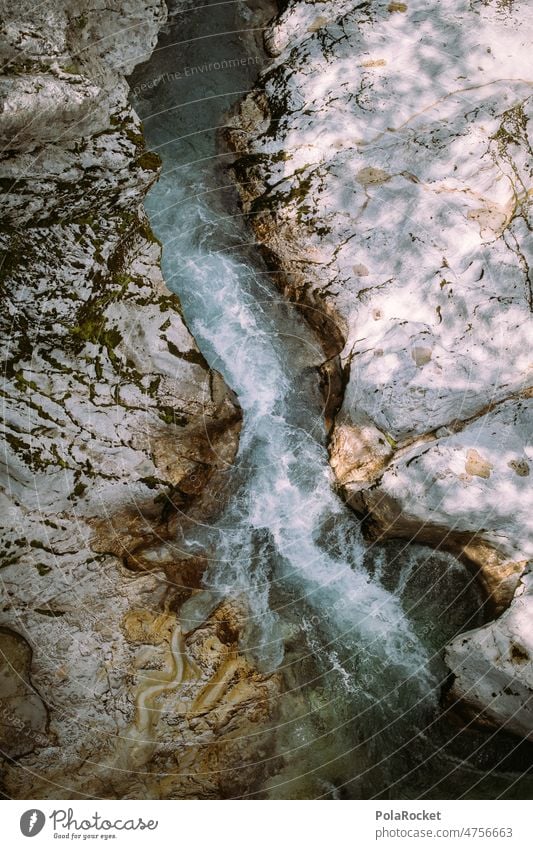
356,631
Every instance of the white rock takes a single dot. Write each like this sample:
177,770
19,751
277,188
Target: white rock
388,171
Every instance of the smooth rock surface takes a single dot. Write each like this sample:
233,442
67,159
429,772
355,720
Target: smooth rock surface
493,668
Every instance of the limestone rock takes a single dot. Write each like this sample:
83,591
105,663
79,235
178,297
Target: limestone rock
463,490
173,710
393,187
386,171
493,666
115,428
23,715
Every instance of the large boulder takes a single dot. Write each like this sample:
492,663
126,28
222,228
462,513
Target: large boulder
492,667
385,163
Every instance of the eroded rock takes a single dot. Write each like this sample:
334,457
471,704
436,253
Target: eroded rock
387,173
116,432
23,715
493,667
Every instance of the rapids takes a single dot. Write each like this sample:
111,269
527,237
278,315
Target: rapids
357,631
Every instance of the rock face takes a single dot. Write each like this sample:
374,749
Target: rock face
493,673
115,429
386,168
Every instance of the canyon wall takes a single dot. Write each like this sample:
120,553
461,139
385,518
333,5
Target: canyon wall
116,434
385,165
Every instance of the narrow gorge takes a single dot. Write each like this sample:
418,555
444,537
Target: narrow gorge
266,478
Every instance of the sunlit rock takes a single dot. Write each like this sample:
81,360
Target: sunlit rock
387,172
493,667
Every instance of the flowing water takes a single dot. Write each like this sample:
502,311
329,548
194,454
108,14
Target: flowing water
357,632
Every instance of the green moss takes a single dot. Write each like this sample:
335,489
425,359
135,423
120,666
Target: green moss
173,349
49,523
79,490
513,128
147,233
392,442
135,138
90,329
151,482
195,357
170,417
89,220
60,461
14,256
47,612
23,382
19,447
8,561
149,161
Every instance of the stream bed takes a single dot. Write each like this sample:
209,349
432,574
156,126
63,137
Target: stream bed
356,631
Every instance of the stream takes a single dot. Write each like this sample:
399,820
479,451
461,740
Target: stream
356,631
